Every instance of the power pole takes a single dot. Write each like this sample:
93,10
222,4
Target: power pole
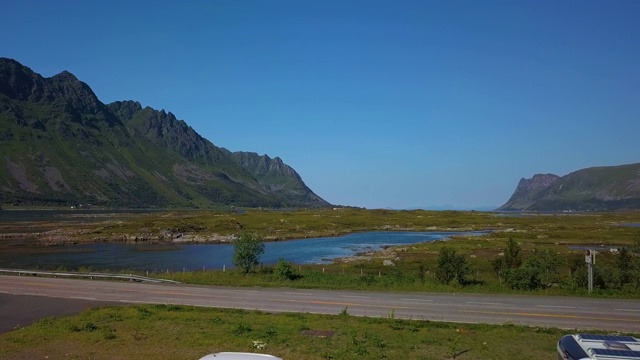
590,259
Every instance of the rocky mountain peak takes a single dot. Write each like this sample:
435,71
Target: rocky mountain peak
595,189
65,76
125,109
18,81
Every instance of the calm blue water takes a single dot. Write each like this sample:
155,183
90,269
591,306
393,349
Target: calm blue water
195,257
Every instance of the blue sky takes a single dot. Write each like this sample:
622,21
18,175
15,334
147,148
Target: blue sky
375,103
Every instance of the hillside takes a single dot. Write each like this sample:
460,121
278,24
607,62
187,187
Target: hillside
603,188
59,145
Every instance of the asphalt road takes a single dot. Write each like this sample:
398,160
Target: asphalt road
543,311
17,311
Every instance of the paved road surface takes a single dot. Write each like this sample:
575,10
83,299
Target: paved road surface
17,311
546,311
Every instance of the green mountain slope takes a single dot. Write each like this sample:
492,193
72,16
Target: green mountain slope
59,145
594,189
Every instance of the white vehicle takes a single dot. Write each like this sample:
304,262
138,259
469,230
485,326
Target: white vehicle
598,347
239,356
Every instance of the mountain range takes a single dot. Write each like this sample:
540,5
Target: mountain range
604,188
61,146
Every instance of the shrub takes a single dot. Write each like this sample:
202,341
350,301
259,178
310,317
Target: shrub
284,270
538,271
452,266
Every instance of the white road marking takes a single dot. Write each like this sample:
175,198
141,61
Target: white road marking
83,298
634,310
418,300
556,306
483,303
303,294
355,296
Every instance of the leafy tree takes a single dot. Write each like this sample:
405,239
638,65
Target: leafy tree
247,249
511,259
628,264
512,254
625,265
548,263
452,266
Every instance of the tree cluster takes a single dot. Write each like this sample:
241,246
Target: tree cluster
623,273
538,271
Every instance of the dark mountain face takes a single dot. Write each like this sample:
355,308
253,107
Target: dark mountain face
277,177
594,189
59,145
529,190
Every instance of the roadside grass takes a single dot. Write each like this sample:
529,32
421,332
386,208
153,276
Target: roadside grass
182,332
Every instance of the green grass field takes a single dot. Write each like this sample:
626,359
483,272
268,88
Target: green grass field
180,332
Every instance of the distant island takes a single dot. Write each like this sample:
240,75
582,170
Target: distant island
605,188
61,146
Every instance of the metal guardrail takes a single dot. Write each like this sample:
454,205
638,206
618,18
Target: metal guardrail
129,277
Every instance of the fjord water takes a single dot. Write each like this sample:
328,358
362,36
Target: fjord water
162,257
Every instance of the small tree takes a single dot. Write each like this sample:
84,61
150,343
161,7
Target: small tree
511,259
247,249
452,266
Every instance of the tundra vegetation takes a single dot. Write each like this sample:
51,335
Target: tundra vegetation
532,252
522,253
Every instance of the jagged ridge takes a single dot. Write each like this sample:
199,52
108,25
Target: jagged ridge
59,145
602,188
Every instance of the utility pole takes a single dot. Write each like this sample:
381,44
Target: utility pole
590,259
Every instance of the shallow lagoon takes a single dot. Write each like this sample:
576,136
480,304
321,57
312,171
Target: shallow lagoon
190,257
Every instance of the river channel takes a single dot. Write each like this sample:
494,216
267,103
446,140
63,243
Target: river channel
192,257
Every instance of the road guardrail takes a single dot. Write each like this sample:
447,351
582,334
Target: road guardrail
91,275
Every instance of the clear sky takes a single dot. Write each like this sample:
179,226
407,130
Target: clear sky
375,103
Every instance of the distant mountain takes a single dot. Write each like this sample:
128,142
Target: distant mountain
449,207
603,188
59,145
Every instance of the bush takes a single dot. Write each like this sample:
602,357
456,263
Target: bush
525,277
284,270
538,271
452,266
